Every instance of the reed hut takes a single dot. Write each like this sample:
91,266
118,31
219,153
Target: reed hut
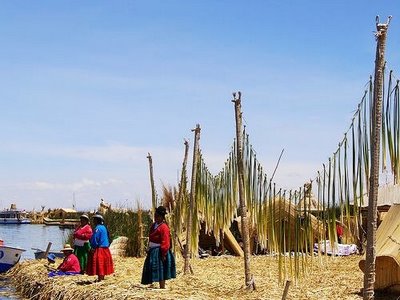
285,228
292,222
228,242
387,196
387,252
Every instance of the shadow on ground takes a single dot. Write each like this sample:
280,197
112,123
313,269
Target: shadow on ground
382,296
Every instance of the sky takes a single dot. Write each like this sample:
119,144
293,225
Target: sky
89,88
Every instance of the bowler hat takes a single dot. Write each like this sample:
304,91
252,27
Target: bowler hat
84,216
98,216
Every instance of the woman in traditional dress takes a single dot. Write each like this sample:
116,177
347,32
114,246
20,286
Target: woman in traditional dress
100,261
70,264
82,235
160,262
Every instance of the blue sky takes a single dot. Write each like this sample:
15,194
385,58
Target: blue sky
88,88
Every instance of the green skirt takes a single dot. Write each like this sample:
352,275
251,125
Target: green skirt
155,269
82,253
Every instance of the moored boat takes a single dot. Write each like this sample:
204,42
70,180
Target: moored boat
62,223
39,254
51,222
9,256
13,216
64,218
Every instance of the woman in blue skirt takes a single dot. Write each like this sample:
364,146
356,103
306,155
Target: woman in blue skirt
160,262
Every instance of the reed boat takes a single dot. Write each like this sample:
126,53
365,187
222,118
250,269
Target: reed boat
62,223
63,217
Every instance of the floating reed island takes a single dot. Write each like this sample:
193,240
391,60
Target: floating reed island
218,277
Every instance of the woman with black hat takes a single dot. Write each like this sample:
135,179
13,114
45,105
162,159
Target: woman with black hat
100,261
82,235
160,262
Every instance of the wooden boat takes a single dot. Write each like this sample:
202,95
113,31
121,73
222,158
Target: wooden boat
39,253
9,256
13,216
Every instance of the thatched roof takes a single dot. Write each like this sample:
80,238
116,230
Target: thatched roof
387,195
285,210
68,210
387,250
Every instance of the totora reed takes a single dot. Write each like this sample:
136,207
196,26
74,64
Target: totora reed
214,278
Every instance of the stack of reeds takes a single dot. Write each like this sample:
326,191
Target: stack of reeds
118,246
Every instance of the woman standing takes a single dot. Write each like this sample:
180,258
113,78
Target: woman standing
100,261
82,235
160,262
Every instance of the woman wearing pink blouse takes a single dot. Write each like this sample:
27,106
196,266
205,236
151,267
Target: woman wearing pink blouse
82,235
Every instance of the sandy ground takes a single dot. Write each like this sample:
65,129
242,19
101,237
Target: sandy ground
214,278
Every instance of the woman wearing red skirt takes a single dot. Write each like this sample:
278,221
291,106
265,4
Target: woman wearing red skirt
100,261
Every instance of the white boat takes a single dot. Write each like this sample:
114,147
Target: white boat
9,256
13,216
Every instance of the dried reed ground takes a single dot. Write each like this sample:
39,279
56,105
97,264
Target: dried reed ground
214,278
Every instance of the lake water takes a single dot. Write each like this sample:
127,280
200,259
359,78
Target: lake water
30,236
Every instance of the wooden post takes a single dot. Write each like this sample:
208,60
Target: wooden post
47,250
141,235
183,254
249,281
192,199
153,191
181,191
369,272
286,290
222,237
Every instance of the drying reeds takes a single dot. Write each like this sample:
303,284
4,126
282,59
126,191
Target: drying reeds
340,189
215,278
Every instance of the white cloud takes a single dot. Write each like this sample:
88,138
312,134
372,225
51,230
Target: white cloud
112,152
83,184
114,172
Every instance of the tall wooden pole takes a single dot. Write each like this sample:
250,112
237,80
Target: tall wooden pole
183,172
140,236
249,281
182,187
369,272
153,191
192,199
